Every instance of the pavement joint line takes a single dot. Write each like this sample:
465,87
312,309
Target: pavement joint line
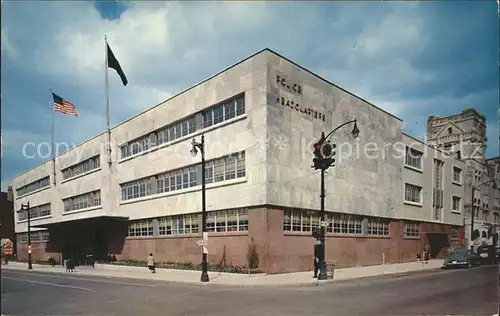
50,284
56,275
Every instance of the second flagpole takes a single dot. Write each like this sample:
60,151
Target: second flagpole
106,87
53,137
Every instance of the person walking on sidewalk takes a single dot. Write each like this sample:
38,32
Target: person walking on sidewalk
150,261
316,259
426,253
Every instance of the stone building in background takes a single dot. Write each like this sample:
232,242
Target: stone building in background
463,136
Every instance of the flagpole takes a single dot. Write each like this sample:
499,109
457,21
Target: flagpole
106,85
53,137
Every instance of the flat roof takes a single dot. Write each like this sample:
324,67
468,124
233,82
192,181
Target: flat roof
209,78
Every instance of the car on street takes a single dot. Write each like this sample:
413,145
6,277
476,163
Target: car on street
461,258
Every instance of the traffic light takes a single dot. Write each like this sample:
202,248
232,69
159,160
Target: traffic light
329,159
323,154
316,233
318,157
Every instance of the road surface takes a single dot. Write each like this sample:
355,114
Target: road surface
455,292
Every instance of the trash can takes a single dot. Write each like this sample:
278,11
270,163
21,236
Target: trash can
330,269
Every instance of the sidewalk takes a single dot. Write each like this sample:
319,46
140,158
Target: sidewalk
231,279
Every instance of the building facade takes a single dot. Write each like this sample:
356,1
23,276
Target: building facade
140,192
463,136
7,217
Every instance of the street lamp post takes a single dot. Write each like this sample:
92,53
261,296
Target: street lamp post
323,162
472,215
26,207
194,151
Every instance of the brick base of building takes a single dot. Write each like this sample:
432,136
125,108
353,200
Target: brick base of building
279,251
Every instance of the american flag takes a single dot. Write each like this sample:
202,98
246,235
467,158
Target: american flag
63,106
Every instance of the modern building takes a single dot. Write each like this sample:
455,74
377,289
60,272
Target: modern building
463,135
7,217
387,196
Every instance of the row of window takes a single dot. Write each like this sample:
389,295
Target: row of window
413,193
413,158
36,211
222,169
233,220
206,118
82,201
296,220
81,167
33,186
38,236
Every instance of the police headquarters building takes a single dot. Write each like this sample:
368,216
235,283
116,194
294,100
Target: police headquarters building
260,119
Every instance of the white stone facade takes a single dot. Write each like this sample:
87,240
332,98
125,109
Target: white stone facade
464,136
276,138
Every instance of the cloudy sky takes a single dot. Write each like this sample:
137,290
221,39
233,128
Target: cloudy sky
412,59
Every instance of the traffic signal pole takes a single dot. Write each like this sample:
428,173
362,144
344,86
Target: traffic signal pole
323,159
322,270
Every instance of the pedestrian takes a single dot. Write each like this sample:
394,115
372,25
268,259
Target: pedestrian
316,259
150,261
426,253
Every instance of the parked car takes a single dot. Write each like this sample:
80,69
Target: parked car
487,253
461,258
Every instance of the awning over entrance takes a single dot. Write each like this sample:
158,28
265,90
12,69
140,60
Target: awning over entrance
88,220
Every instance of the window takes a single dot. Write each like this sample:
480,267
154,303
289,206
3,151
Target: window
82,201
228,220
378,227
212,116
224,111
450,131
35,237
411,230
455,204
454,233
141,228
82,167
297,220
413,193
457,175
347,224
33,186
35,212
413,158
227,168
136,189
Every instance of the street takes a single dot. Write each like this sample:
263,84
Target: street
446,292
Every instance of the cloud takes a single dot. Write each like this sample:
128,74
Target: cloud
7,48
412,59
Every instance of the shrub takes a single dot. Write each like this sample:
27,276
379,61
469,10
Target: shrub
252,256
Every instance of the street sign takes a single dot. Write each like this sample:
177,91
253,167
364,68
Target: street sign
324,224
201,242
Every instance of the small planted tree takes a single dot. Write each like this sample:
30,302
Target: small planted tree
252,256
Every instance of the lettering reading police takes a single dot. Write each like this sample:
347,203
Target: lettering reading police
295,105
297,88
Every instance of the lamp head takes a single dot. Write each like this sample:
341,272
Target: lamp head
355,130
193,151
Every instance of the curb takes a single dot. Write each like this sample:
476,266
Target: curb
313,282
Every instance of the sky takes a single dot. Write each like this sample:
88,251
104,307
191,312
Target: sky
413,59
